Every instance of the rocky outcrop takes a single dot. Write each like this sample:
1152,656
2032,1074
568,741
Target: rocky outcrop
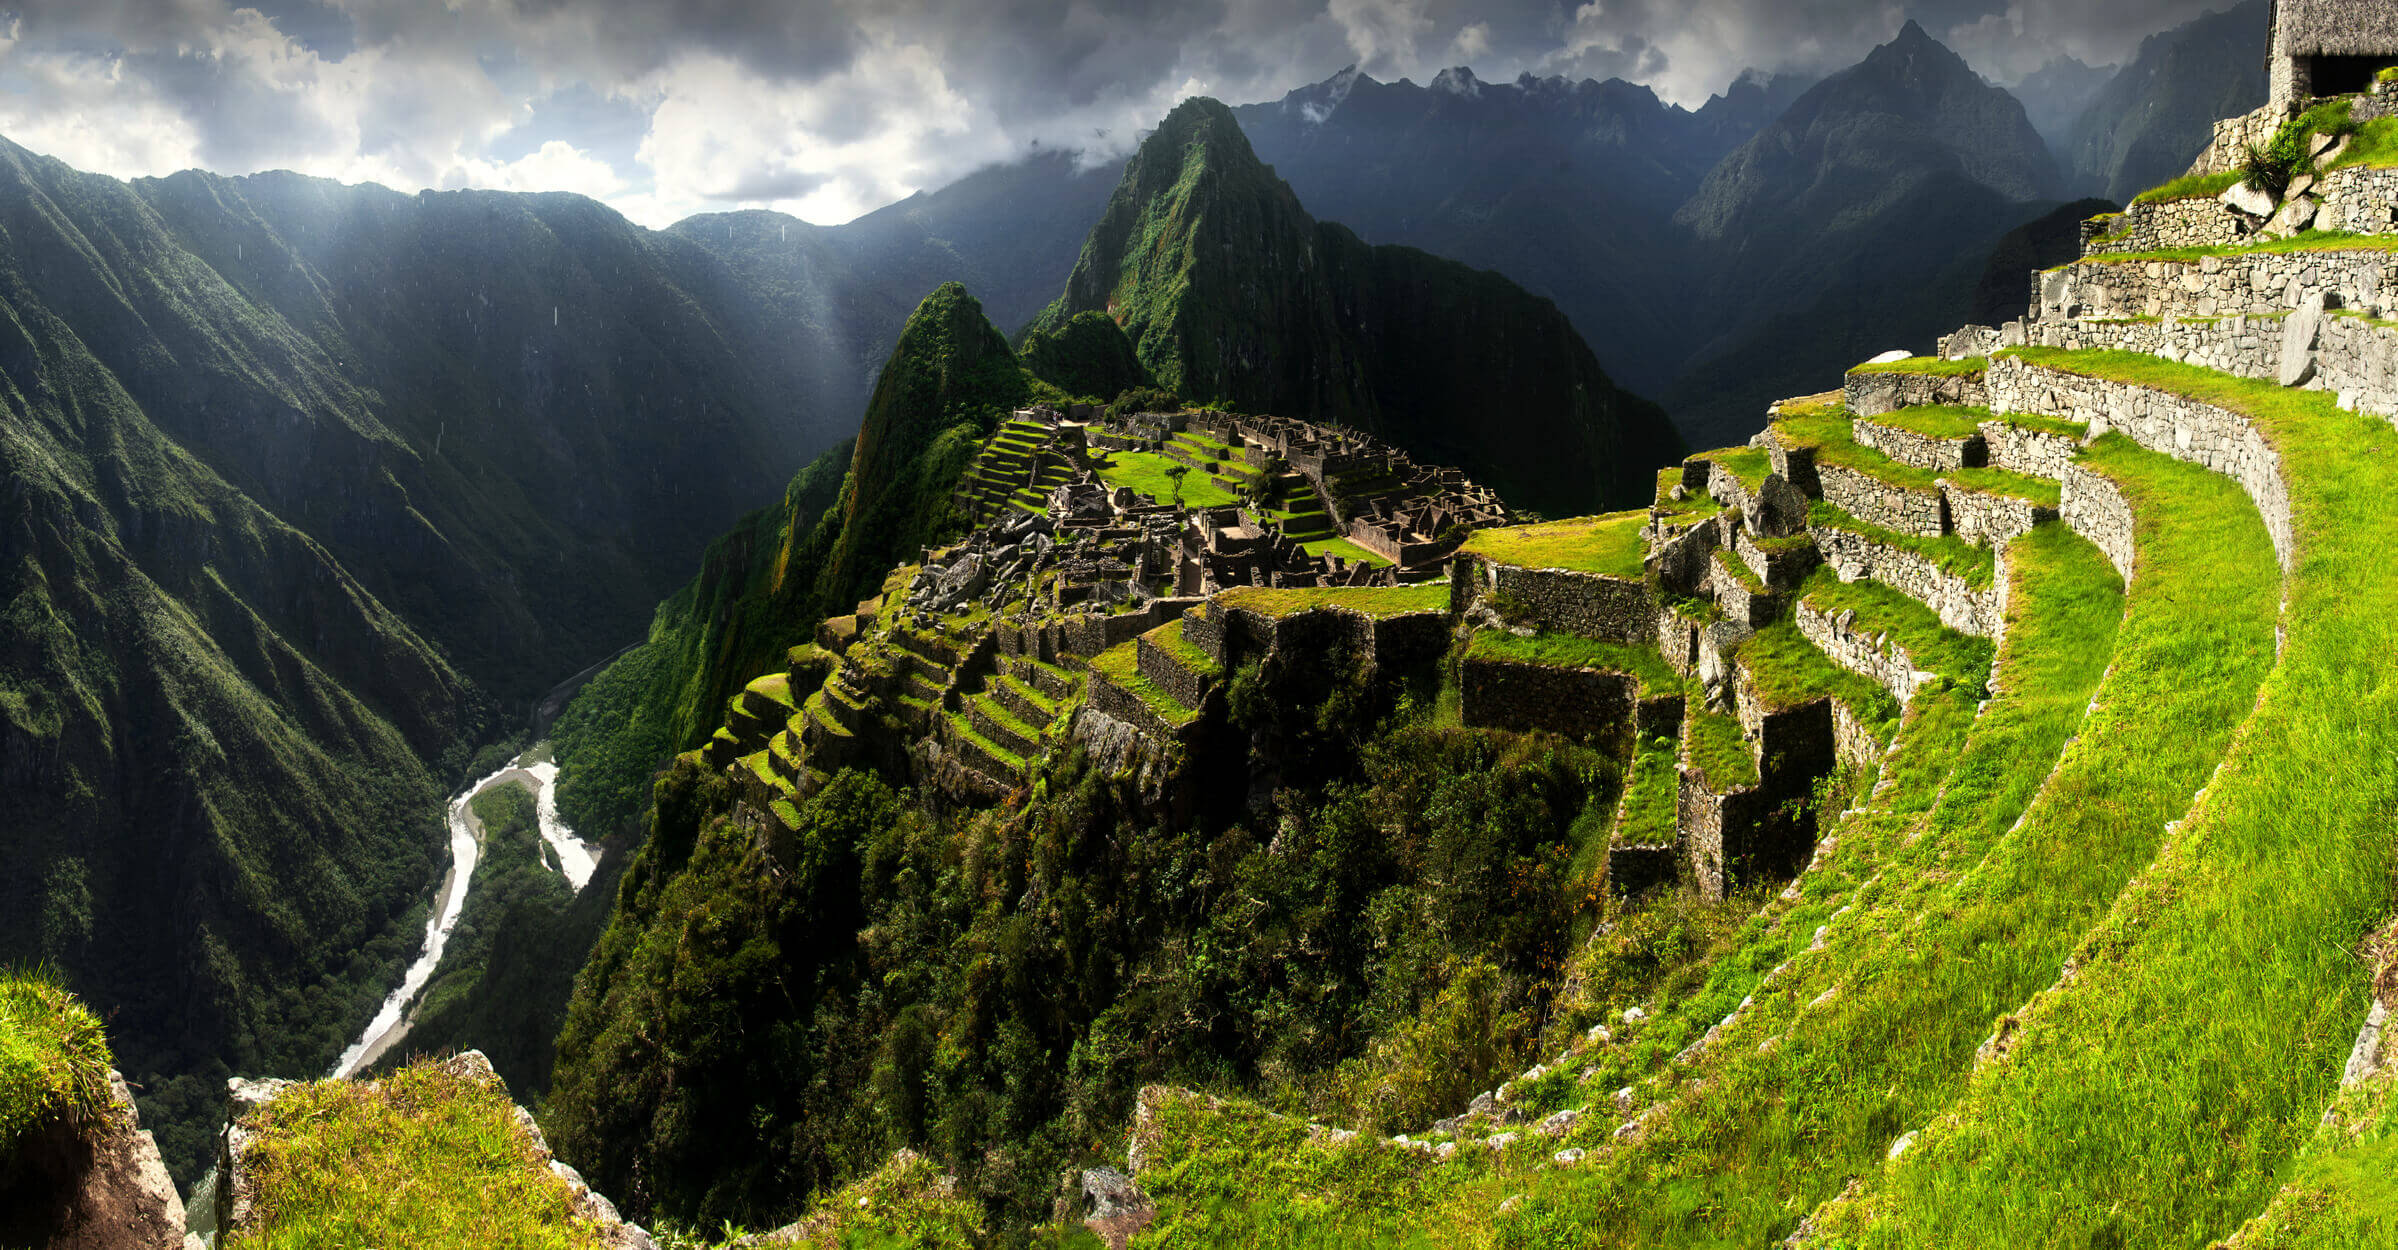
92,1186
232,1202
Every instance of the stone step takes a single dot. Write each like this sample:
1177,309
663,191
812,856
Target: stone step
980,753
1002,727
1992,507
1955,579
1934,438
1743,598
1921,382
1779,564
1022,701
2035,446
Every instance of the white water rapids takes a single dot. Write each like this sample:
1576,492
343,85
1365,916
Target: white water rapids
576,861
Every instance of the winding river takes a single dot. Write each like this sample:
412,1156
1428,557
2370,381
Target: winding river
575,860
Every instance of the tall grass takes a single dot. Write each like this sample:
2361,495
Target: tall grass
54,1057
2158,1096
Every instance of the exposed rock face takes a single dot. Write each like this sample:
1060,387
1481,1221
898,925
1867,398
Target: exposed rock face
99,1186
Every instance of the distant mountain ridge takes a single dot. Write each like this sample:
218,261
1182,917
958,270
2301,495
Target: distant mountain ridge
2155,117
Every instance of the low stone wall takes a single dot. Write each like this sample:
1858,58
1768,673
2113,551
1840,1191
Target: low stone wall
1380,643
1733,595
2097,510
1872,656
2359,200
1725,487
1855,743
1718,831
2033,452
1575,702
1872,394
1992,520
1127,707
1780,567
1160,667
1959,606
2220,286
1633,870
2235,135
1876,502
1678,641
2355,358
1203,627
2205,221
978,757
2202,434
1921,450
1588,604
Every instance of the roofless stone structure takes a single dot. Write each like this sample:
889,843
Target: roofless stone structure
2330,47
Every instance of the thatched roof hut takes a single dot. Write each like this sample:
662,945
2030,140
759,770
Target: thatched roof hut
2330,47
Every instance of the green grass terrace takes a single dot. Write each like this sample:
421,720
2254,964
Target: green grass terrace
1554,650
1608,545
1379,602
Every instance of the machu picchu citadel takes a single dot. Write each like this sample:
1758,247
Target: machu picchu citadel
1218,726
2057,640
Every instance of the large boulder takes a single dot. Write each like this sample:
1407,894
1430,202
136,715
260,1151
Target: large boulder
2298,335
93,1186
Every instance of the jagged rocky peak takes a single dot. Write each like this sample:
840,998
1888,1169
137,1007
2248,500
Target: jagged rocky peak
1458,80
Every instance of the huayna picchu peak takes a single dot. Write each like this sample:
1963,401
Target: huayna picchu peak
1271,747
1231,293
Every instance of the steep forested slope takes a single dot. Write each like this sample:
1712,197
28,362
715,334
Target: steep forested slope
1229,291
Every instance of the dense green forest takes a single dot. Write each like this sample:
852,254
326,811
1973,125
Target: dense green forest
994,987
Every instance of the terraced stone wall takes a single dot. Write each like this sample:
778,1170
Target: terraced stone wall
1872,394
2355,358
2095,509
1159,666
2257,285
2033,452
1781,565
1589,604
1127,707
1921,450
2204,221
1854,743
1872,500
1993,520
1876,657
1960,606
2359,200
1717,829
1575,702
2186,429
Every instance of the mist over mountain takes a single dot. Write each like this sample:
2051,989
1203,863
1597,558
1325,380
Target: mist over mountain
2148,124
2055,96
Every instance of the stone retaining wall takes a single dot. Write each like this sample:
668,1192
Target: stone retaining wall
1681,562
1736,599
1876,502
1780,567
1717,831
2202,434
990,727
2359,200
979,758
1873,656
2204,221
1589,604
1635,870
2033,452
1992,520
1127,707
1380,643
1160,667
2096,509
1855,743
2219,286
1958,604
1921,450
1872,394
1575,702
2354,358
2235,135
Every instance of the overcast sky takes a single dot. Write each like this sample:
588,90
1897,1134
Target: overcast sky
829,108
